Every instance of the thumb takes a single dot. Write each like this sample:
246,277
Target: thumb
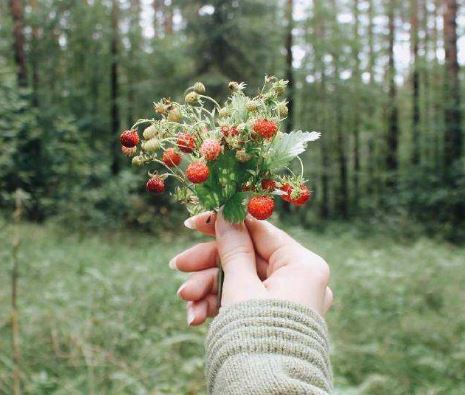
237,255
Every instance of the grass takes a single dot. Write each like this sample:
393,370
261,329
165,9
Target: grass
99,314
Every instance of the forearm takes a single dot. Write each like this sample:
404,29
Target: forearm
268,347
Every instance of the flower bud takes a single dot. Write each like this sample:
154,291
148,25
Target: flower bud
160,108
234,86
199,88
192,98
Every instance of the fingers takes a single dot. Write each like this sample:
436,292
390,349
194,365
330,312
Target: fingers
199,257
204,223
198,312
237,255
199,285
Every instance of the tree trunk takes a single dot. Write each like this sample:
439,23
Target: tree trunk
392,161
34,56
415,82
115,121
16,10
168,19
289,61
356,132
371,69
453,140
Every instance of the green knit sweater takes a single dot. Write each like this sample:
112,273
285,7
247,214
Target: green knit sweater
268,347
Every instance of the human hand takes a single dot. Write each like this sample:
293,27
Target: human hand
259,261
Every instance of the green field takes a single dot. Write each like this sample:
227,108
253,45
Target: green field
99,314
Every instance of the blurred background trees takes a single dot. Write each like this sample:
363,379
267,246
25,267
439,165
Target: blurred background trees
380,78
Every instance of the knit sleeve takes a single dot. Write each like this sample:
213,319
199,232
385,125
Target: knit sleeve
268,347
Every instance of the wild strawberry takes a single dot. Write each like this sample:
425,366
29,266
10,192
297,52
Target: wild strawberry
304,196
210,149
191,98
199,88
129,138
174,115
156,185
268,184
129,152
261,207
171,158
197,172
296,197
229,131
266,129
151,146
287,188
149,132
186,143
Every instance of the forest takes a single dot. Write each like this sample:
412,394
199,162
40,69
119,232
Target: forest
87,304
380,79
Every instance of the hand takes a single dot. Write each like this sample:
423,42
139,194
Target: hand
259,261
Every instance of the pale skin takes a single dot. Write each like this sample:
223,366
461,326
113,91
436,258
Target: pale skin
260,261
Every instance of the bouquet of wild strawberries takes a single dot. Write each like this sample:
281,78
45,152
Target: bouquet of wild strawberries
232,156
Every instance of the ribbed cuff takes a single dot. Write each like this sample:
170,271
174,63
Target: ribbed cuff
268,326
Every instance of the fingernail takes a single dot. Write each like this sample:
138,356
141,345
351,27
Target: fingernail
181,288
190,314
190,223
172,264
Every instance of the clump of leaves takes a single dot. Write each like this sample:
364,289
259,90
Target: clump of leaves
222,155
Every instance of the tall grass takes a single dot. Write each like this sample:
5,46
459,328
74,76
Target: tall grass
99,314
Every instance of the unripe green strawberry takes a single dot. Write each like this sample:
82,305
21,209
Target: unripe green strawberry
261,207
138,160
224,112
199,88
252,105
282,109
149,132
174,115
192,98
234,86
151,145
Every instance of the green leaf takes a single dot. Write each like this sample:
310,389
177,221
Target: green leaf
287,147
209,198
228,175
235,210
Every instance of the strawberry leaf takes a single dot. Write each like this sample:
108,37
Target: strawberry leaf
235,209
286,147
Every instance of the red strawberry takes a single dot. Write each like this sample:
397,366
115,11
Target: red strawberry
129,152
156,185
304,196
261,207
197,172
186,142
268,185
297,198
129,138
171,158
229,131
210,149
288,189
266,129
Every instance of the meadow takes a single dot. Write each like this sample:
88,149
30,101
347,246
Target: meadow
99,313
